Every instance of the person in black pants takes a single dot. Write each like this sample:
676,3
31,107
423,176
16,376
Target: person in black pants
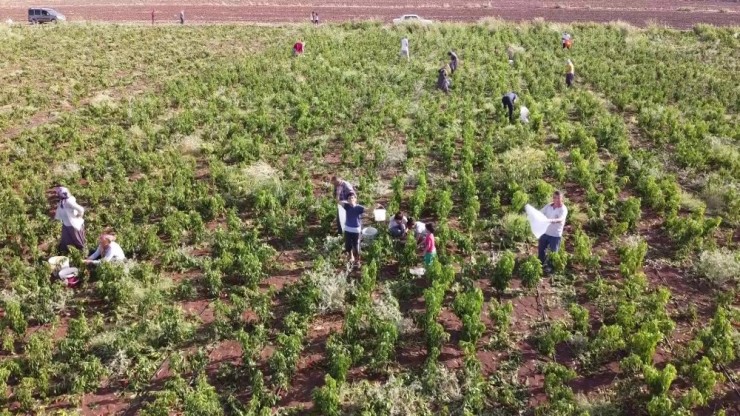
508,102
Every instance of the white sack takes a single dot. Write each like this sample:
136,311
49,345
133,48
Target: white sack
537,220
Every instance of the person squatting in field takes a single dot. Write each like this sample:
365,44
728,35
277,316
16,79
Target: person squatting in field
508,101
443,81
405,48
453,62
298,48
108,250
352,227
567,41
70,213
342,190
397,225
556,212
570,73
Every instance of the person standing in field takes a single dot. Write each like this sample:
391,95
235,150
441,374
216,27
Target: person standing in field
182,17
298,48
567,41
316,18
429,245
70,213
342,190
556,212
152,16
453,62
352,228
508,101
443,81
570,74
405,48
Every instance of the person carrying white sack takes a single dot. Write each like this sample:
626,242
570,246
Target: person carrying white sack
70,213
555,214
108,250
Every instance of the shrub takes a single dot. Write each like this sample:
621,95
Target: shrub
530,271
719,266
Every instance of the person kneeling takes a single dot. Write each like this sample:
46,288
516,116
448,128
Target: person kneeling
108,250
397,225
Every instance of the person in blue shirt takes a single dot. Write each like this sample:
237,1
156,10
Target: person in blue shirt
342,191
352,227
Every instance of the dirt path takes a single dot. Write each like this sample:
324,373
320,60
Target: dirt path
638,12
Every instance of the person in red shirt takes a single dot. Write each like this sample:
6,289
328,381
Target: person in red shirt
429,244
298,48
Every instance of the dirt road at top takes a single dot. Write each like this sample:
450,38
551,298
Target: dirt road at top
680,14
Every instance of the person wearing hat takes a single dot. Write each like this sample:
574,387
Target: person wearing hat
108,250
70,213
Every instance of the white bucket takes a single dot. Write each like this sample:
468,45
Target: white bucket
68,272
369,234
59,262
379,215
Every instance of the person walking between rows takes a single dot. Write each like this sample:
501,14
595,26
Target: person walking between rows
70,213
570,74
405,48
556,212
453,62
443,81
508,101
352,228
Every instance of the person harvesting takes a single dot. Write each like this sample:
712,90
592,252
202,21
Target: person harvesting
70,213
508,101
429,245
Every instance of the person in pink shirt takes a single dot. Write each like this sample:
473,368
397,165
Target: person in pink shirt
430,247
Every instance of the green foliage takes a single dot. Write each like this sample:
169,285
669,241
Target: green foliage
720,338
503,271
530,271
326,398
468,306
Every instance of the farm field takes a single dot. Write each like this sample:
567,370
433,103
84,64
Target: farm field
208,151
680,14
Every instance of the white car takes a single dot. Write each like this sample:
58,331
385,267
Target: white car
411,18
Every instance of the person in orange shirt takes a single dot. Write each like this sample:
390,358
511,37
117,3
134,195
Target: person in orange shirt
567,40
570,74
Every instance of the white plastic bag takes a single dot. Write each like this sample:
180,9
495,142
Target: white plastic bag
537,220
342,215
524,114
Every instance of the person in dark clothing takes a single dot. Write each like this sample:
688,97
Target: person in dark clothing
443,81
453,62
182,17
508,101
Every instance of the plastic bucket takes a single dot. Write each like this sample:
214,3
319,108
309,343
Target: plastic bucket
369,234
59,262
68,275
379,215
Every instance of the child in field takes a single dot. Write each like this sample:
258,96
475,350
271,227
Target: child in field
405,48
429,244
352,227
397,225
419,228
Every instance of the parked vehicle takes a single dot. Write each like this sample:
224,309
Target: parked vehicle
44,15
411,18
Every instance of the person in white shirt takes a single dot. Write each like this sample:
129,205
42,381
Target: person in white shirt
556,213
405,48
420,229
70,213
397,225
108,250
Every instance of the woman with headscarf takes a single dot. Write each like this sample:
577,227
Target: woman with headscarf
108,250
70,213
443,81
